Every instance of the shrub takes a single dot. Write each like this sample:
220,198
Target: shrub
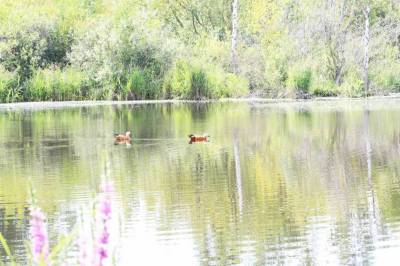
22,51
386,77
186,81
252,66
300,80
352,85
69,83
120,59
199,86
9,87
177,83
55,85
393,82
236,86
325,92
35,46
40,87
323,88
225,85
59,41
135,86
276,75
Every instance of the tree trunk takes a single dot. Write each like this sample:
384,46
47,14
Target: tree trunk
234,34
366,48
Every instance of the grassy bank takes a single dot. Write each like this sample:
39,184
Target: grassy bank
128,50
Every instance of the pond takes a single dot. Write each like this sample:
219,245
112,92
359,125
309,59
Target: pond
278,183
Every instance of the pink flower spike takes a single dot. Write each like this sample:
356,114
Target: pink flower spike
104,213
38,236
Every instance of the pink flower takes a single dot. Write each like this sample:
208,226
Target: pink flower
103,219
96,251
38,236
84,252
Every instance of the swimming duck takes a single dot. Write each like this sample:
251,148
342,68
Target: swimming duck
194,138
121,138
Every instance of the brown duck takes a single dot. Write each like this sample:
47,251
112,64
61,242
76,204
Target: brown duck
194,138
123,138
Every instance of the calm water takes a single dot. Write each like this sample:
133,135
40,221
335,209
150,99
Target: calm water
295,184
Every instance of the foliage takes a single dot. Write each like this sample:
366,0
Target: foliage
324,88
97,251
9,89
226,85
35,46
6,248
56,85
385,72
186,81
178,81
352,85
23,51
299,80
128,49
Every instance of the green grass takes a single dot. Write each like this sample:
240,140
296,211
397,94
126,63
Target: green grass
10,90
55,85
186,81
7,249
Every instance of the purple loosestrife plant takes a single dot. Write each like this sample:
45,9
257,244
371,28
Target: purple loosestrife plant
85,255
103,219
38,236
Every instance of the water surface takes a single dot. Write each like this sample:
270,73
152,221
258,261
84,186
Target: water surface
294,183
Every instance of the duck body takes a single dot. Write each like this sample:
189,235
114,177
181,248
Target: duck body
194,138
123,138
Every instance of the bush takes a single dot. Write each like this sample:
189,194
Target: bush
324,88
135,85
194,82
252,66
236,86
393,82
23,50
277,62
9,89
199,85
40,87
56,85
69,83
35,46
177,83
386,77
300,80
129,65
225,85
58,44
325,92
352,85
141,85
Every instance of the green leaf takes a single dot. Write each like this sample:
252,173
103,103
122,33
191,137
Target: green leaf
7,249
64,241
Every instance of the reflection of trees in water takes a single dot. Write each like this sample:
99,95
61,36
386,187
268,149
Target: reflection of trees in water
199,111
14,226
238,173
301,172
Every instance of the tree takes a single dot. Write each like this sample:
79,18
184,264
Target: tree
366,12
336,28
234,35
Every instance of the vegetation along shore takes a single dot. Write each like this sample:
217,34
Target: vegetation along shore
139,50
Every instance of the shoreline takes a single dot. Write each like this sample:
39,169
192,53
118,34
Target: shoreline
76,104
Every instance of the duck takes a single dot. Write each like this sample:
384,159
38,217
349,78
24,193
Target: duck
123,138
193,138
